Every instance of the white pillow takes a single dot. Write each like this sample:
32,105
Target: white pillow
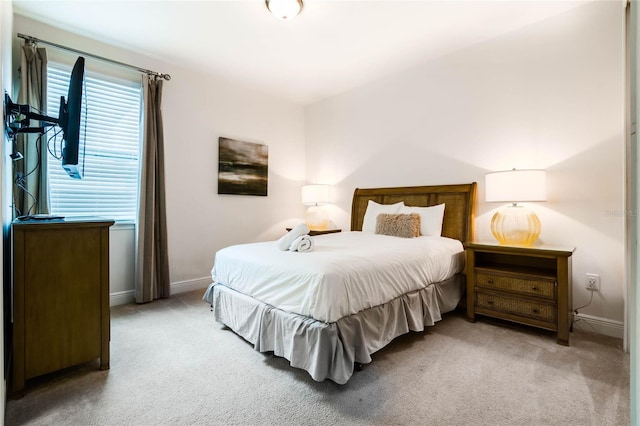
430,219
373,210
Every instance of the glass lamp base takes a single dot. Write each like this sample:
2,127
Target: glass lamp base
515,225
316,218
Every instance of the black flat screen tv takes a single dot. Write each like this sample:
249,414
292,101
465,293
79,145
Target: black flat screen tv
69,122
18,117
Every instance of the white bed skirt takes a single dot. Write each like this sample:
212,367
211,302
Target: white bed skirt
330,350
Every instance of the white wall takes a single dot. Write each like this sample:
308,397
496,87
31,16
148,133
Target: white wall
200,219
197,109
547,96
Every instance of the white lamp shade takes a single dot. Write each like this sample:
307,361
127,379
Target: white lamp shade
284,9
315,194
516,185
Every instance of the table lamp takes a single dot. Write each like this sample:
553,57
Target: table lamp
515,224
313,196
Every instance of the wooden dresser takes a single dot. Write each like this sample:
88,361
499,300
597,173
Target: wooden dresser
527,285
60,296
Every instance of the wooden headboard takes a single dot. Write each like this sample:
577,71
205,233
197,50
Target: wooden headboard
459,203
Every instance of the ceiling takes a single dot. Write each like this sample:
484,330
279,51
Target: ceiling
331,47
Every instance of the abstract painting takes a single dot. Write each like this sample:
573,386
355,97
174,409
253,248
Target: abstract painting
242,167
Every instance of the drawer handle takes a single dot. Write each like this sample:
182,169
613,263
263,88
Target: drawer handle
536,311
534,288
489,302
490,281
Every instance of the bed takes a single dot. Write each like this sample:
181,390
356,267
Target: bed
328,310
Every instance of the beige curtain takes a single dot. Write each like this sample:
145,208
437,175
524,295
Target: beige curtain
152,266
30,173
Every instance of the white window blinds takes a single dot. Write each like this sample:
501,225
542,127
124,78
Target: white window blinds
111,110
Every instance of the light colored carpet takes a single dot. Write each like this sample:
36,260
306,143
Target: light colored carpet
172,364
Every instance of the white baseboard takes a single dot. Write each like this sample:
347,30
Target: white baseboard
129,296
599,325
190,285
122,298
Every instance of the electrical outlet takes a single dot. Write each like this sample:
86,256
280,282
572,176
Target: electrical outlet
593,282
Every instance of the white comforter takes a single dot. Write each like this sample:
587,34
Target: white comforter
344,274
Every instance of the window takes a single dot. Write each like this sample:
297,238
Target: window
111,111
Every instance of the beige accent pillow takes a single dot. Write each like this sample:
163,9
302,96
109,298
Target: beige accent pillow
398,225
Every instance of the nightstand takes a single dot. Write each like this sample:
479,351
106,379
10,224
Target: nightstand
324,231
527,285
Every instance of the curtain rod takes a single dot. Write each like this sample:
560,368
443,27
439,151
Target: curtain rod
122,64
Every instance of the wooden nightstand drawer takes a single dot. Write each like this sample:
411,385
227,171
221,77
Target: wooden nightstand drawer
536,310
529,285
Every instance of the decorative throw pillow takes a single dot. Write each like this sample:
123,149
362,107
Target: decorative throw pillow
372,212
430,219
398,225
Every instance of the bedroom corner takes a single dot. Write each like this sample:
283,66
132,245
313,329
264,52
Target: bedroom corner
548,94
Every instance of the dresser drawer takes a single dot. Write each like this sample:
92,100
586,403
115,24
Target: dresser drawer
526,308
534,286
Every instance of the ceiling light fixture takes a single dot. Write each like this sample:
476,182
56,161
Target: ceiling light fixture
284,9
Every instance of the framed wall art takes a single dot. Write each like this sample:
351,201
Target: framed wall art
242,167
